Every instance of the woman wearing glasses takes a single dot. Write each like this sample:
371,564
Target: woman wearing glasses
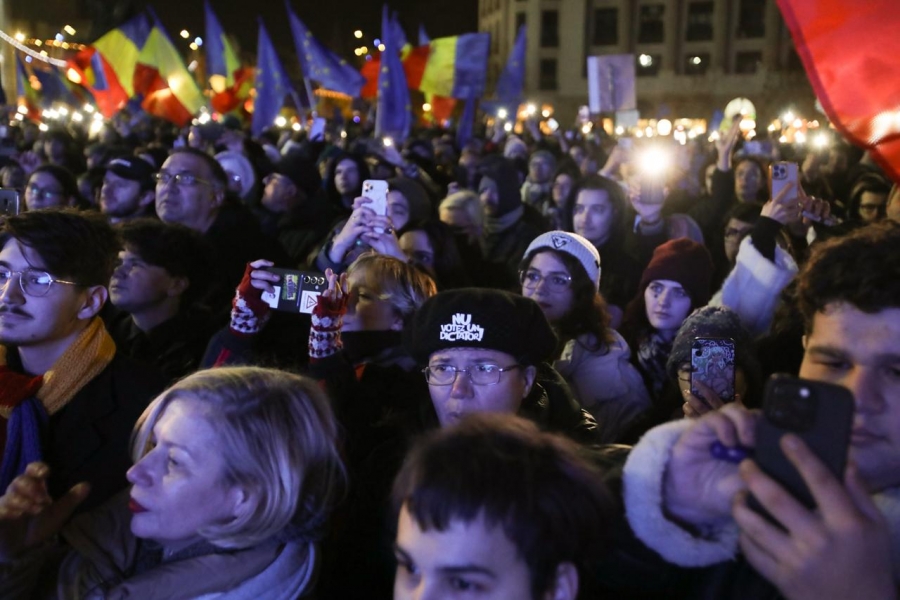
561,272
51,186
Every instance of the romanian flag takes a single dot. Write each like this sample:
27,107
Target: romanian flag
28,96
457,66
120,49
230,81
97,76
169,89
849,52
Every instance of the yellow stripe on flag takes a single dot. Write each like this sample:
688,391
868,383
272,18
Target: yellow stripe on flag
122,55
439,70
158,52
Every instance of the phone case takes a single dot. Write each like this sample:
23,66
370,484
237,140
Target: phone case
9,202
821,414
712,362
783,174
376,190
298,291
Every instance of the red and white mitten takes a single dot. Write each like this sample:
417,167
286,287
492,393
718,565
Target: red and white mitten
249,313
325,332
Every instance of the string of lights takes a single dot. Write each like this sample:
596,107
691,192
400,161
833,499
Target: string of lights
11,40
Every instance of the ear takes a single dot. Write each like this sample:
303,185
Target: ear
530,374
147,198
95,298
178,286
805,340
565,583
243,502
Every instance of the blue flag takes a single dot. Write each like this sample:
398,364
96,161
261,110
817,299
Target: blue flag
512,80
321,64
393,118
272,83
466,122
424,40
215,49
53,88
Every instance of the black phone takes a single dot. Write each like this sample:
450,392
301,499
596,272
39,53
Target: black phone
296,291
821,414
712,362
10,201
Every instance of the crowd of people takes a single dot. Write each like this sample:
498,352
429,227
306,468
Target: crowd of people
491,395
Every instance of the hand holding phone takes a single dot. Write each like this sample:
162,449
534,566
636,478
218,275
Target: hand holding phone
712,363
376,190
782,175
296,291
10,202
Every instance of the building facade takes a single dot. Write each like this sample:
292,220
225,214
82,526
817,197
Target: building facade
692,56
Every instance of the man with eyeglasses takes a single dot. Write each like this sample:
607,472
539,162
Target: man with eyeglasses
486,351
191,190
67,397
128,189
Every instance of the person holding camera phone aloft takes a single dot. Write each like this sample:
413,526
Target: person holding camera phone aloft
691,507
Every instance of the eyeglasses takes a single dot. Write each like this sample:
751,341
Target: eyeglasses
485,374
38,192
555,282
733,232
31,281
181,179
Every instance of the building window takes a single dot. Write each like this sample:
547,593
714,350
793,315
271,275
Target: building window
747,63
548,74
699,22
520,20
606,27
752,19
651,26
648,64
696,64
549,29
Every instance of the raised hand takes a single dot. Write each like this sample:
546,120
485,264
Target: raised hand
725,145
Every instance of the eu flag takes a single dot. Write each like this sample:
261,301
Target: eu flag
512,79
322,65
393,118
272,83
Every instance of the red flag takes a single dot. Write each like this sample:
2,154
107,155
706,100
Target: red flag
850,54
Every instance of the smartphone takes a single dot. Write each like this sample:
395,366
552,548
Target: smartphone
296,291
712,362
783,174
821,414
376,190
753,148
9,201
317,130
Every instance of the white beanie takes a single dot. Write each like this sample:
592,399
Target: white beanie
573,244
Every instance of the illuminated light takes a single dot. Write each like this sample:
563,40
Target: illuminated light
43,127
664,127
23,110
645,60
38,43
377,42
343,135
884,124
800,137
545,113
364,49
280,121
296,127
20,117
96,127
772,127
357,34
747,125
59,37
65,45
586,128
73,76
797,124
654,161
203,118
426,107
680,137
787,117
691,134
502,113
620,130
821,141
194,46
696,60
20,37
508,127
648,132
198,40
69,29
63,111
184,33
43,53
813,124
388,142
381,47
356,51
782,139
191,67
714,136
530,110
98,118
77,117
639,133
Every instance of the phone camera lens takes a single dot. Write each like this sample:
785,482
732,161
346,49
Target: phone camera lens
804,392
698,352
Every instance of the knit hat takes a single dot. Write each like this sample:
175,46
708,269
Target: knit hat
545,155
132,168
573,244
480,318
710,321
514,146
685,262
416,197
237,163
301,170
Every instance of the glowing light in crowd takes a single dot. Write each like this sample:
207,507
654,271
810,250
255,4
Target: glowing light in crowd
203,118
69,29
800,137
620,130
546,113
502,113
73,76
98,118
782,139
426,107
381,47
664,127
296,127
797,124
280,121
357,34
63,111
820,141
654,161
194,46
20,37
96,126
645,60
184,33
198,40
88,108
43,127
22,109
787,117
696,60
77,117
530,110
388,142
508,127
586,128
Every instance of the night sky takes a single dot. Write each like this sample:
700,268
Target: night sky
332,21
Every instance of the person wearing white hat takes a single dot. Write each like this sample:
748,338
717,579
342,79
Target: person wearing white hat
561,272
